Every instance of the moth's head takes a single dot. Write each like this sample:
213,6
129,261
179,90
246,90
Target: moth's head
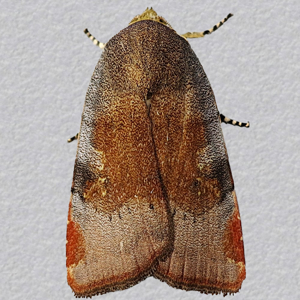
150,14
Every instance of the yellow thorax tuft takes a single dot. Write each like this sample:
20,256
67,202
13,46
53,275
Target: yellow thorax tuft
150,14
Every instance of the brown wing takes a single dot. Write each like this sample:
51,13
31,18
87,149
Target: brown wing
208,251
119,220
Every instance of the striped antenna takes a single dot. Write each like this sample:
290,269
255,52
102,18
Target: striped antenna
93,39
190,35
73,138
233,122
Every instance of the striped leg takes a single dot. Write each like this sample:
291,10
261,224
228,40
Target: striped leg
190,35
93,39
73,138
233,122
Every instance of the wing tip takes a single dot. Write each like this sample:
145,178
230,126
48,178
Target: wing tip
97,289
202,288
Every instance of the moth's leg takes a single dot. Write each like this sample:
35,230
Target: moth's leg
233,122
93,39
190,35
73,138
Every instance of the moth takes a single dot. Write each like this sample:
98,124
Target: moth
152,191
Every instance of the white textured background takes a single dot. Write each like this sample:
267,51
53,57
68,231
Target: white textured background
253,65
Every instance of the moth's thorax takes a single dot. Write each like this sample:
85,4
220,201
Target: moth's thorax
150,14
148,53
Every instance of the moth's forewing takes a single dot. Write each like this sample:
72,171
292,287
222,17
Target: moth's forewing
119,220
208,248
